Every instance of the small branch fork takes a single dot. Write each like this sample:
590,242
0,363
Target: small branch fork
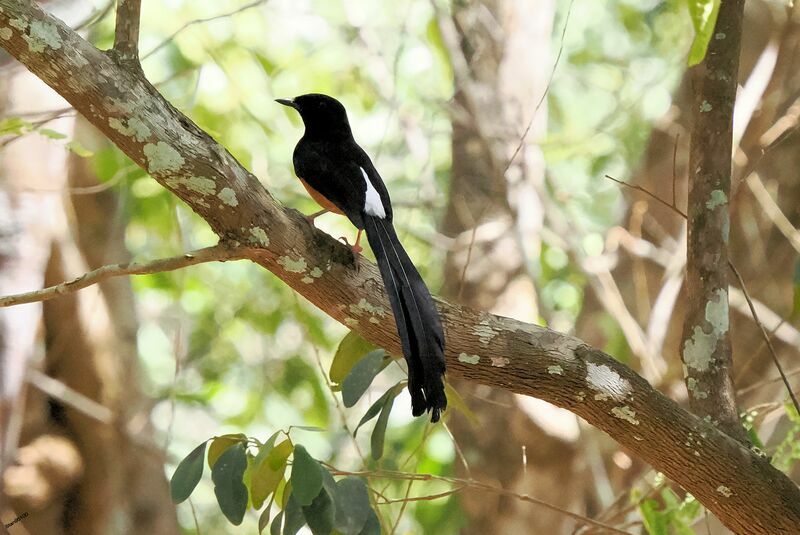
217,253
126,33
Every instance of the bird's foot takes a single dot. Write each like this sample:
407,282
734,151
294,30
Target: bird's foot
356,247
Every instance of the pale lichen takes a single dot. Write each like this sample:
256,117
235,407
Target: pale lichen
555,370
228,196
293,266
694,386
351,322
316,272
135,128
364,306
20,24
468,359
607,381
259,236
6,33
717,198
705,107
725,491
625,413
484,332
42,35
717,312
162,158
698,349
500,362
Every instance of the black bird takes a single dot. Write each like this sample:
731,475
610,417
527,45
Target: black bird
339,176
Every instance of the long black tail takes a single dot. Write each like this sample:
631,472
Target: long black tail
417,320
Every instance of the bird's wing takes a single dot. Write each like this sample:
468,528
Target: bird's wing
338,179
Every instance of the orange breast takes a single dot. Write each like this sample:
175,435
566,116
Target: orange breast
320,199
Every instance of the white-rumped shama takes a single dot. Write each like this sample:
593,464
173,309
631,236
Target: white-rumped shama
339,176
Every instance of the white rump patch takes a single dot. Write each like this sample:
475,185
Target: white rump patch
372,203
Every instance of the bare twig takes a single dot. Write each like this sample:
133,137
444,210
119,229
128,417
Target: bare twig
58,390
217,253
471,484
650,194
126,32
773,211
767,339
174,34
546,89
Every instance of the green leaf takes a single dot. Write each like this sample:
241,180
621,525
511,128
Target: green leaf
379,432
51,134
376,407
74,146
275,528
263,519
704,18
372,526
654,520
306,477
268,470
353,505
293,518
456,402
187,475
351,349
14,125
220,444
361,376
320,514
228,487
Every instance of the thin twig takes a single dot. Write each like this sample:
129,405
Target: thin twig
126,32
174,34
71,397
649,194
473,484
767,339
546,89
674,169
217,253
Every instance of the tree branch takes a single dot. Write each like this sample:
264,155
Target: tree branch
126,31
706,349
741,488
218,253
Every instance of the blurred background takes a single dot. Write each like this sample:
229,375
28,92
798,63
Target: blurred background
494,124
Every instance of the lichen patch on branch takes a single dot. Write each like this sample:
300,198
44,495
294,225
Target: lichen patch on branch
607,382
43,35
162,158
468,359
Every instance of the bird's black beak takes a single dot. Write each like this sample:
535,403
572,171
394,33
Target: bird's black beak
286,102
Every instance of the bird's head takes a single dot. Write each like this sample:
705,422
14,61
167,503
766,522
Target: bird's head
320,113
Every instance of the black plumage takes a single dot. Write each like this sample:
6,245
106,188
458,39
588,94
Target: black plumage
341,177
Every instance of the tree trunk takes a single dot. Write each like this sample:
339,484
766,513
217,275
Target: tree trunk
79,470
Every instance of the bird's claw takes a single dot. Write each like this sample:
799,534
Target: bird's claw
356,248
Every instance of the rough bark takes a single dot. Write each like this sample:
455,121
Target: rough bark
740,487
706,335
